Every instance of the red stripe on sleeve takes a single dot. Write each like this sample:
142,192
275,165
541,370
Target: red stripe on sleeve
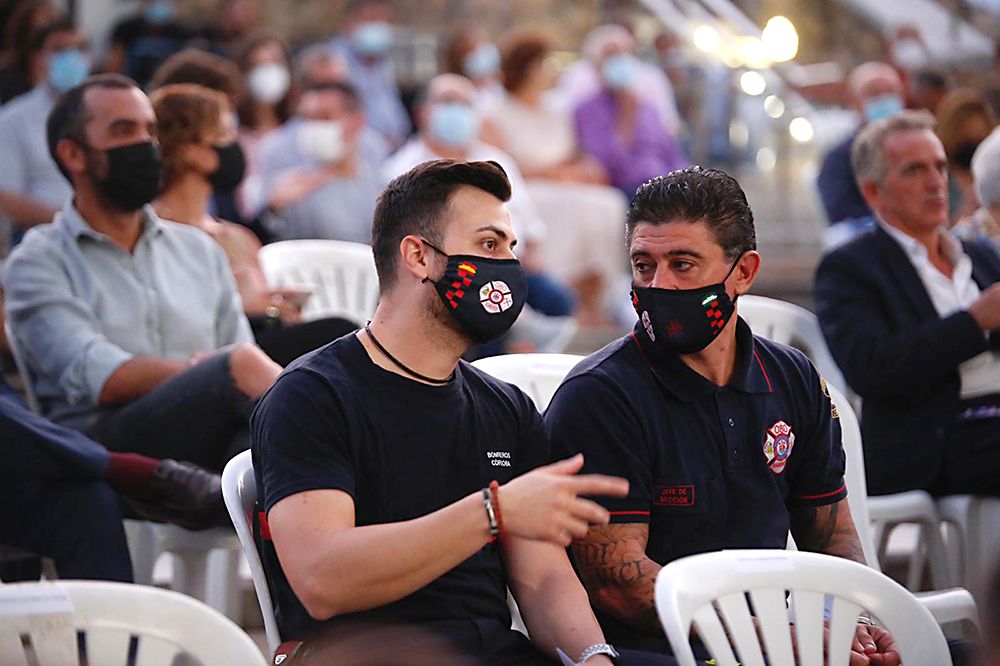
839,490
628,513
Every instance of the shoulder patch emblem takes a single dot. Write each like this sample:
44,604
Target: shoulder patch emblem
778,445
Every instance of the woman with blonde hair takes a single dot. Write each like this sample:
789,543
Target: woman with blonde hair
197,131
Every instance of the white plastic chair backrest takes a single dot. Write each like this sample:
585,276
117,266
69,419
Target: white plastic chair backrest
165,624
857,488
686,590
791,325
538,375
239,490
343,274
22,369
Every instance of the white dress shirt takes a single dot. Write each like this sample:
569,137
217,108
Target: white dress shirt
980,374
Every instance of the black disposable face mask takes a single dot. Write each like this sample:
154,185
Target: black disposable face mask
683,321
133,175
483,294
232,167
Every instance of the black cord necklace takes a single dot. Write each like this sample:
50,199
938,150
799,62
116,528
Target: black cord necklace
399,364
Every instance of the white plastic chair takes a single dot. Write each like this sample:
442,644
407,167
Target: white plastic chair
147,541
792,325
688,589
538,375
977,521
343,273
110,616
946,605
239,490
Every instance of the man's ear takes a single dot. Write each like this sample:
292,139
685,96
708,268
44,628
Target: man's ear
72,156
415,257
870,192
747,267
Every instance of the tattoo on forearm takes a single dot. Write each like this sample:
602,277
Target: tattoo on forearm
827,529
617,574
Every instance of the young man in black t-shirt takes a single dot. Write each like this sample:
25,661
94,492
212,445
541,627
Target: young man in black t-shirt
727,440
374,455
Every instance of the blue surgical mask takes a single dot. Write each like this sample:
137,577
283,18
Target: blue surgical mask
883,106
619,71
160,12
483,61
68,69
454,124
372,38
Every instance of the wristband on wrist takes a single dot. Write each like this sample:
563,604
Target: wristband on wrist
491,515
495,497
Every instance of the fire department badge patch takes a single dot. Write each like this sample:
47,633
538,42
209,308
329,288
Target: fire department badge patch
495,297
778,446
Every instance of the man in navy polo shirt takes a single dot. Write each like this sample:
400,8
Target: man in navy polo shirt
727,440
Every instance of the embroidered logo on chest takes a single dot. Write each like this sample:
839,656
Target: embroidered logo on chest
778,446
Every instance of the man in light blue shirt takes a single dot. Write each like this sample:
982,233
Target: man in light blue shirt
367,48
131,325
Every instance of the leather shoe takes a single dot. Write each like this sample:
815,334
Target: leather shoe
184,494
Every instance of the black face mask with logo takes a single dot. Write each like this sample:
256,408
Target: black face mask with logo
683,321
133,176
483,294
232,167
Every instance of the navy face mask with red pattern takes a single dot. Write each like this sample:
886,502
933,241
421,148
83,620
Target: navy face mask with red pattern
683,321
483,294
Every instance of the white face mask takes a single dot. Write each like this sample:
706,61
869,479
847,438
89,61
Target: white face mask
323,140
269,82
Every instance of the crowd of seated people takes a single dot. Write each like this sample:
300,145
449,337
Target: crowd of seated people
138,190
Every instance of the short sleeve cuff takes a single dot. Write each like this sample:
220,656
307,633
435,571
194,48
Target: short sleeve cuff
820,497
302,486
626,510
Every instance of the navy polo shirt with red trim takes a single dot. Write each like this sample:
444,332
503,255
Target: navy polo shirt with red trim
709,467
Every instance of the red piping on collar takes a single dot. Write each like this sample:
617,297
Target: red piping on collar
761,364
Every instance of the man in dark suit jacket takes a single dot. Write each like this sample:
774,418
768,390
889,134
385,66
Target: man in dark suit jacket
908,312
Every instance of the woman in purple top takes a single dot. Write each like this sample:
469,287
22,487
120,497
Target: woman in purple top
619,128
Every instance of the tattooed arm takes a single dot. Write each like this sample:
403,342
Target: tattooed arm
617,574
827,529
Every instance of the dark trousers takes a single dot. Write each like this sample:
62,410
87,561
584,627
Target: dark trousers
198,416
972,459
53,500
284,344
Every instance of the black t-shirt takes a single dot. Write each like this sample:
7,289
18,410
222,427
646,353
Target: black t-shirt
709,467
401,449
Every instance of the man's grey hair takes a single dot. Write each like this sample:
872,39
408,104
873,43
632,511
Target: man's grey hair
986,170
868,150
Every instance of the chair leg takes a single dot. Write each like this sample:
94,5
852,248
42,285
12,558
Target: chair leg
942,574
142,547
223,583
190,572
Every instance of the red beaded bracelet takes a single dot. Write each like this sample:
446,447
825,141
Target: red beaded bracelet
495,495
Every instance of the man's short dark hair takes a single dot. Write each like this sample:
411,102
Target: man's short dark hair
692,195
417,202
68,118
